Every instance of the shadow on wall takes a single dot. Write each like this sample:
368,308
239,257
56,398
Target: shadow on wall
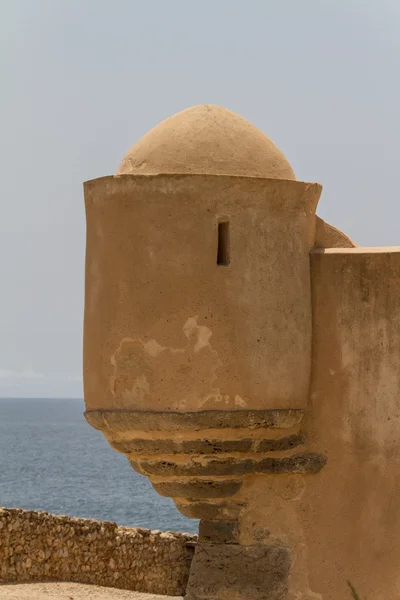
354,594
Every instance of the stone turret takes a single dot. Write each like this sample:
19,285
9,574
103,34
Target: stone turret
202,319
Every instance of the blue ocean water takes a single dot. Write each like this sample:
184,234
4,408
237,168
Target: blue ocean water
52,460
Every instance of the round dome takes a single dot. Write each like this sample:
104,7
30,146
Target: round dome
206,139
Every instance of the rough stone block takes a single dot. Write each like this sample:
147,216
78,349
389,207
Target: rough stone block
224,531
232,571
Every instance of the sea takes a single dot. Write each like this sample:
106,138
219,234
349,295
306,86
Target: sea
52,460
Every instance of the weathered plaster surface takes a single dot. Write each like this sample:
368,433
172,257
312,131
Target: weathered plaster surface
153,283
142,368
344,524
354,415
327,236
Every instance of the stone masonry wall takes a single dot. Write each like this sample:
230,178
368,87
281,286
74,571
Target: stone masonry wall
37,546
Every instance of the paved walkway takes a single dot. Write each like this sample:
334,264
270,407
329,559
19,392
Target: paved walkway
71,591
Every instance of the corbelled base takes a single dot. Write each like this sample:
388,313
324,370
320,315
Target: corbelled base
201,459
224,467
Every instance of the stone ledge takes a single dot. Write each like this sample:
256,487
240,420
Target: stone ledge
198,488
302,464
210,510
207,446
130,420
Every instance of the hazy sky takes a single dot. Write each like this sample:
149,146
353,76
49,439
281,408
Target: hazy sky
82,80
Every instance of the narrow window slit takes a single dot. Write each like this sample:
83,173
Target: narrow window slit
223,255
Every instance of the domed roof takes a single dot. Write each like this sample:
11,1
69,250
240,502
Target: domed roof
206,139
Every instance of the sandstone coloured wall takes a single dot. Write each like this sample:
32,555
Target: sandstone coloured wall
37,546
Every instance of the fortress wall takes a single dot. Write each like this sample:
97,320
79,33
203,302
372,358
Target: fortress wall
37,546
349,513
